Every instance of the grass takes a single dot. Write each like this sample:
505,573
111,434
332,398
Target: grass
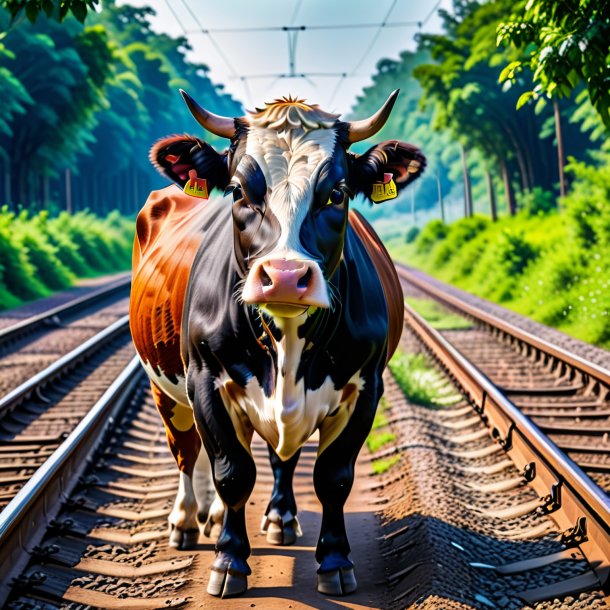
378,437
383,465
438,316
420,382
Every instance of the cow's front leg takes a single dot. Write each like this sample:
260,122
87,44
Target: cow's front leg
280,521
333,479
234,475
185,445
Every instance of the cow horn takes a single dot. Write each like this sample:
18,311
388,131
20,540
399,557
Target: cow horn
218,125
361,130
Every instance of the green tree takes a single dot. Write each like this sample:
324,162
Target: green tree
565,44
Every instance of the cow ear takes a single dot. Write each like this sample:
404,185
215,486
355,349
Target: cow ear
370,172
176,156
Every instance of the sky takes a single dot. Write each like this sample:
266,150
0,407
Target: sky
337,62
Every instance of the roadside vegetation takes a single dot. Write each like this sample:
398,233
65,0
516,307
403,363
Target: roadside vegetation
40,254
547,263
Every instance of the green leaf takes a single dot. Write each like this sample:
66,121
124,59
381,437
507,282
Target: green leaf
79,10
31,10
524,98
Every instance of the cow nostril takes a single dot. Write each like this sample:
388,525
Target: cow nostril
304,279
265,279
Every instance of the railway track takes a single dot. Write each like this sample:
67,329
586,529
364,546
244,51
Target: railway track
565,395
548,409
458,524
38,412
33,343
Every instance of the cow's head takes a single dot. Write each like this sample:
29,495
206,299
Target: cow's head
290,175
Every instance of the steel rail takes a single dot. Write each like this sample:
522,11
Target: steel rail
35,383
588,368
32,323
578,506
24,520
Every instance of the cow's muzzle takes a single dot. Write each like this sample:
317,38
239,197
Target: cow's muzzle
286,287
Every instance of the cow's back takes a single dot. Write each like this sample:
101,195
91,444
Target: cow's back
387,275
168,236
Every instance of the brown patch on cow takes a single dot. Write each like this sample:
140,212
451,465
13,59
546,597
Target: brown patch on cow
184,443
387,275
168,237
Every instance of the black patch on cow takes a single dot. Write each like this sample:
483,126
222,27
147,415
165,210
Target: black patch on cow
256,228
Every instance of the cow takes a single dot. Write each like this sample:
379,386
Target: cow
271,309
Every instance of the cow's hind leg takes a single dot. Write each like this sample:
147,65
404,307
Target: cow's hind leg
185,444
280,521
333,479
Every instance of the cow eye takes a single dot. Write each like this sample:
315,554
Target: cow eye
336,197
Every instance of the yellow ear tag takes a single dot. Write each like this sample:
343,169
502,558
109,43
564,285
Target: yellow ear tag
197,187
382,191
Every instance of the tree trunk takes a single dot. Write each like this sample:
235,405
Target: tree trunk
467,188
492,196
441,203
508,190
68,177
558,134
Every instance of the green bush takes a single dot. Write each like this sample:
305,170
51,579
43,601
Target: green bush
460,233
537,201
587,204
39,254
431,234
412,234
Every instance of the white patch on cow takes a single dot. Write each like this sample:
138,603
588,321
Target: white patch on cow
288,417
184,513
176,391
290,161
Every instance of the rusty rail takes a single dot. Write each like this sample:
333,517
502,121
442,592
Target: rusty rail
588,369
24,520
578,506
53,317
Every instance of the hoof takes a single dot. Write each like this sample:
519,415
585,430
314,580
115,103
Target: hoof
183,539
225,583
337,582
281,530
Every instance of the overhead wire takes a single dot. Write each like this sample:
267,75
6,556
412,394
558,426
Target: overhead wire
292,32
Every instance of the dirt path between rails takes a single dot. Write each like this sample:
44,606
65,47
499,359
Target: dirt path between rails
285,577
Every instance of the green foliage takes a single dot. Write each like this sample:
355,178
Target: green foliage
551,267
587,204
57,9
411,235
430,235
460,233
568,43
537,201
39,254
